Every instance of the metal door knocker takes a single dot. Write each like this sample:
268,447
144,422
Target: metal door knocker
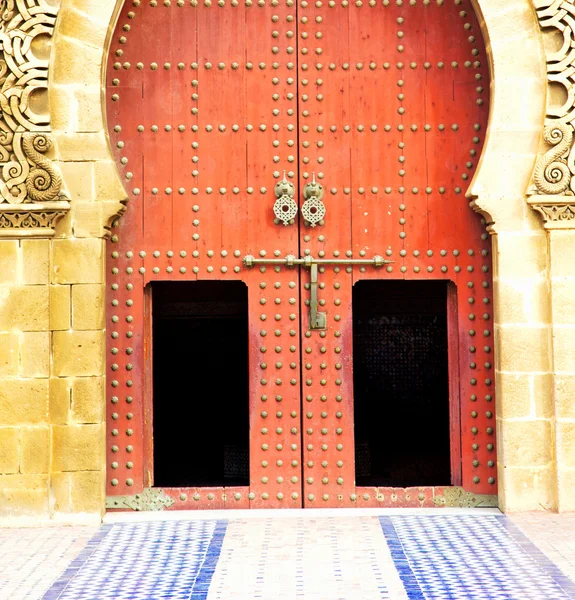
285,207
313,209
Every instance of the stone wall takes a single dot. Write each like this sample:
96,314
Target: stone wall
52,296
52,300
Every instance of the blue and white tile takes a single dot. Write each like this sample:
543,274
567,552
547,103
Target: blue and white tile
316,556
141,561
447,557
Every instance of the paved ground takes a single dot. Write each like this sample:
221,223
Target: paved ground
315,555
554,535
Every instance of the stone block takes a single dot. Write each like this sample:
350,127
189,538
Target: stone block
88,101
60,307
25,308
9,354
82,26
511,215
78,448
24,495
60,492
525,395
88,400
514,396
78,261
565,487
60,400
522,255
9,450
525,443
102,10
78,177
35,354
507,21
34,449
93,219
563,295
88,491
562,247
523,301
565,442
108,184
23,401
87,145
565,396
35,262
526,489
64,226
30,306
88,220
5,314
564,348
79,492
78,353
88,306
76,63
63,112
9,250
509,172
524,349
543,397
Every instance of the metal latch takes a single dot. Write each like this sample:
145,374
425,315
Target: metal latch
317,320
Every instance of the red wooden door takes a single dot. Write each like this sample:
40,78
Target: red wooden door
393,106
208,105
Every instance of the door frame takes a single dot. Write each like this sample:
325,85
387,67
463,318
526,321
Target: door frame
454,385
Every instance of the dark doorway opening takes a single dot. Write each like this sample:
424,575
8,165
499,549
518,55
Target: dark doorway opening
401,383
200,384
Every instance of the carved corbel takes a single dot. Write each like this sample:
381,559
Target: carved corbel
558,212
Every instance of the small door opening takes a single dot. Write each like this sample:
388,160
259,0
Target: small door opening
200,384
401,383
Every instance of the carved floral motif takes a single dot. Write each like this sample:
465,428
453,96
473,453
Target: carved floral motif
554,171
29,183
554,176
560,213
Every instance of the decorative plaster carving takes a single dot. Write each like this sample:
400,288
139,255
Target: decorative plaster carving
553,191
31,201
554,171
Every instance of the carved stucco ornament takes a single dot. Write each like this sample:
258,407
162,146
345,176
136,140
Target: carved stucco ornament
553,191
31,198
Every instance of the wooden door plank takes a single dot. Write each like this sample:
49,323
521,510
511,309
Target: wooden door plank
158,129
376,137
327,376
184,52
414,119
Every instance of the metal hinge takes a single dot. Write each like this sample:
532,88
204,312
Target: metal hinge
457,497
149,499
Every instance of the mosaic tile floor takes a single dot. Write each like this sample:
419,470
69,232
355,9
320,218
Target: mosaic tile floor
399,556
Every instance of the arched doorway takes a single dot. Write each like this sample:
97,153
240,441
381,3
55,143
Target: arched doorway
338,351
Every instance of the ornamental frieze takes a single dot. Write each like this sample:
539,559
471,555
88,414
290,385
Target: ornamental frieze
553,190
31,199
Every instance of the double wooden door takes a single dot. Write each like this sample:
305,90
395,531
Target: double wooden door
361,123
